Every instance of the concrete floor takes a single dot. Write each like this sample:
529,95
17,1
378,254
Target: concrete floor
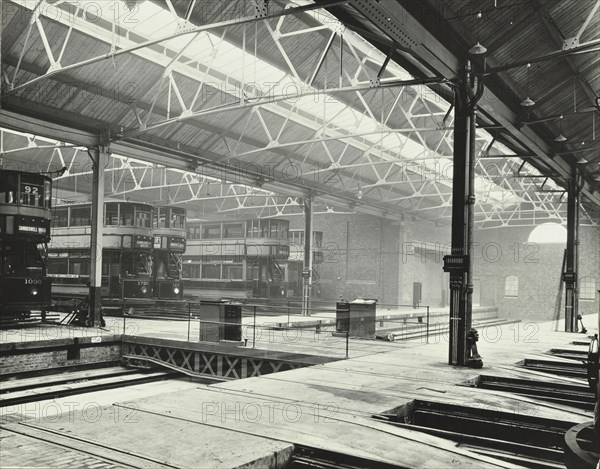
183,424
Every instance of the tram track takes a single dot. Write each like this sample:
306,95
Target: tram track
17,391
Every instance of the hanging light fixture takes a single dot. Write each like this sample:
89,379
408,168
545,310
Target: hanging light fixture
560,137
528,102
581,160
478,49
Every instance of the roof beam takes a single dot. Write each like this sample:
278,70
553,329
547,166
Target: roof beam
558,37
398,24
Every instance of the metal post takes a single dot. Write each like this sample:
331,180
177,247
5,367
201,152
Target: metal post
347,341
124,313
570,275
189,320
307,267
99,157
463,200
254,329
427,331
289,312
199,320
457,344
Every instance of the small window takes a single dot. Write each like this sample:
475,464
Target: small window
511,286
587,288
142,216
252,228
159,217
211,271
126,217
191,270
60,217
232,271
81,216
233,230
264,228
178,218
211,231
111,217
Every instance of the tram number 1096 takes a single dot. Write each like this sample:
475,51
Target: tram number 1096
33,281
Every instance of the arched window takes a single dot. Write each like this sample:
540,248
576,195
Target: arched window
511,286
548,233
587,288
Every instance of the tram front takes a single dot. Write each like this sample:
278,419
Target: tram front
25,202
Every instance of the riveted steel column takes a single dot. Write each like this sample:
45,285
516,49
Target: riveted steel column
570,274
460,218
307,267
99,157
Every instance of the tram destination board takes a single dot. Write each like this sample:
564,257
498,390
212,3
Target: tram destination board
456,263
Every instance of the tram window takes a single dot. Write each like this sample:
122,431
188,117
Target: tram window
9,259
126,215
58,265
47,194
317,239
32,194
233,230
8,188
160,217
211,271
177,218
60,217
79,266
274,227
111,217
211,231
193,232
174,265
264,228
232,271
161,266
283,230
133,264
142,217
252,227
252,272
34,265
191,271
81,216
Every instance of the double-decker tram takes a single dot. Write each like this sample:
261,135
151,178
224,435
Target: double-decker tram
25,202
127,257
236,259
169,245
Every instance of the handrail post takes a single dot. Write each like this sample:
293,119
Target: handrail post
189,319
199,320
124,318
288,312
254,329
347,341
427,332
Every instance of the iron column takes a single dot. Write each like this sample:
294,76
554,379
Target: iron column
99,157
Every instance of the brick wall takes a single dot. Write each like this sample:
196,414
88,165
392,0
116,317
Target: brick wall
503,252
360,256
53,354
373,258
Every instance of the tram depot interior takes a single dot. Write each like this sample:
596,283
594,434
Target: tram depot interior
300,233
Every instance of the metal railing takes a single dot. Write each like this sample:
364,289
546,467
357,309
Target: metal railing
401,321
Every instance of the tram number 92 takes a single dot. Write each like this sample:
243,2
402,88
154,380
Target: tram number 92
31,189
33,281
